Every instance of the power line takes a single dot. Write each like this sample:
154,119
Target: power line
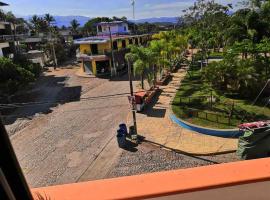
67,111
19,105
261,92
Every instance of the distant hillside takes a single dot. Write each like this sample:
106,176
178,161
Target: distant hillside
173,20
65,20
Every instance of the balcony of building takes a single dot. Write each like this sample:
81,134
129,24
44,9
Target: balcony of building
240,180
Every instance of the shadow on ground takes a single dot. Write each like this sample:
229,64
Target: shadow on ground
130,146
152,110
47,92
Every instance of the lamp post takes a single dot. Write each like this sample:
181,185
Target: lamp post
52,38
113,72
132,101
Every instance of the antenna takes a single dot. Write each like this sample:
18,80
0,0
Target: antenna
133,5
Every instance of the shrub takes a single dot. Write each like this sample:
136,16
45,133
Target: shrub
22,61
12,76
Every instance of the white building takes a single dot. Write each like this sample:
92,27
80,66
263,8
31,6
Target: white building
116,27
6,40
6,37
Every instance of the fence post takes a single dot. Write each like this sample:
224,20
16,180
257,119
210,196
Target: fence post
206,116
217,118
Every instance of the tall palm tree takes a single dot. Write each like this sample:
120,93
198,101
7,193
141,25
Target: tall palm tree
2,15
35,21
10,17
74,26
141,63
49,19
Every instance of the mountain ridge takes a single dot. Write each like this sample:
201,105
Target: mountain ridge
65,20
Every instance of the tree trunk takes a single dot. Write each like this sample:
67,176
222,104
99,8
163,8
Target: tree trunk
142,82
155,74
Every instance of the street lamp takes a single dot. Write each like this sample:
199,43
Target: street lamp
129,59
52,39
112,54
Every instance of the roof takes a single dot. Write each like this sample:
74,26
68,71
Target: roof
35,51
3,4
111,23
92,40
103,39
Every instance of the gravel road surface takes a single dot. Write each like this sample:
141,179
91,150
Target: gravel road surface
149,158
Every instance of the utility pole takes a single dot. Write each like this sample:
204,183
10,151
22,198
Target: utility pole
53,48
54,55
132,100
112,54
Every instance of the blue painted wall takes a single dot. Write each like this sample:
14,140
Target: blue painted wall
220,133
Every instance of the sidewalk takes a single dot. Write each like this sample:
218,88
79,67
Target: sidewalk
155,125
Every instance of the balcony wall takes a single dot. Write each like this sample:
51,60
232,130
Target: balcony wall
223,181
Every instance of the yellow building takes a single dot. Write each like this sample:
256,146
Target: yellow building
96,53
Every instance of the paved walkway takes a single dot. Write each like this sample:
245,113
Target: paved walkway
156,126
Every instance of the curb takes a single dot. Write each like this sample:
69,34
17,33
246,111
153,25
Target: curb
225,133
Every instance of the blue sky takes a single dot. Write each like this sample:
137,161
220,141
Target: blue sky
93,8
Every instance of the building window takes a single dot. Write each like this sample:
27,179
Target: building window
125,28
99,28
136,41
130,41
115,45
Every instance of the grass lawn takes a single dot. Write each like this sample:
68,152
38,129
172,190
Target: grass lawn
189,107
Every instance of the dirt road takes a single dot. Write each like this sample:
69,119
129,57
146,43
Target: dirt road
63,143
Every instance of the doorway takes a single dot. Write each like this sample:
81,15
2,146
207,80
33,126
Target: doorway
94,49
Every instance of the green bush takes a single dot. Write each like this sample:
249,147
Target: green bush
13,76
22,61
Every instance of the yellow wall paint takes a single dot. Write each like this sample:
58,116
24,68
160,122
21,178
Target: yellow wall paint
105,46
127,42
94,67
119,44
85,48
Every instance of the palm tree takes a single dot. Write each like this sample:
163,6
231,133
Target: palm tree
2,15
49,19
141,58
35,21
10,17
74,26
